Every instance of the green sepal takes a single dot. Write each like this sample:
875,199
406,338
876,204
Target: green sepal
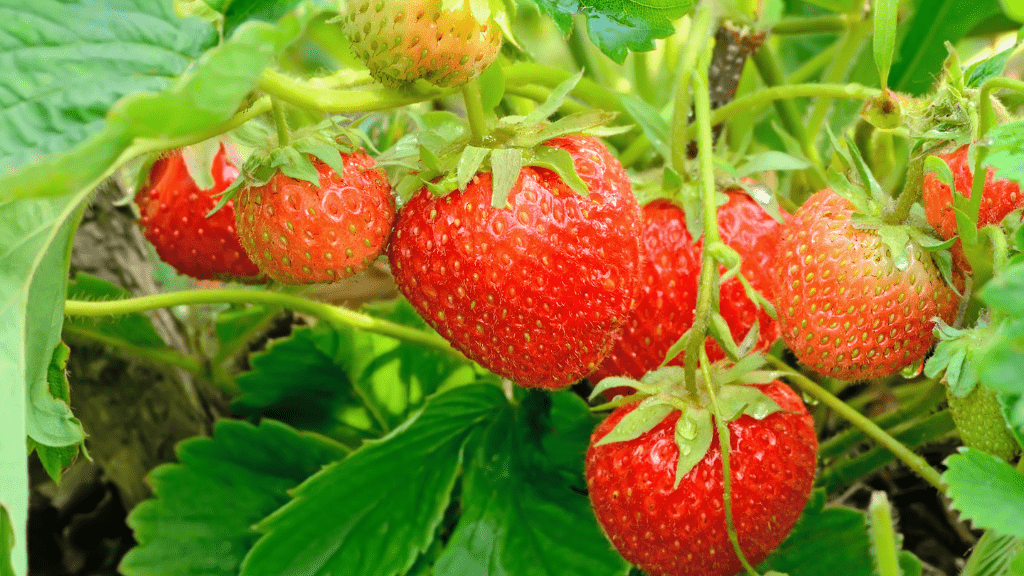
941,170
895,239
560,162
469,164
677,348
866,177
553,102
505,166
639,421
693,435
727,256
737,400
614,382
957,353
841,185
718,329
295,165
327,153
930,243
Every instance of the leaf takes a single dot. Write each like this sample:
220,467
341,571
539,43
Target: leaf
310,363
638,422
241,11
996,558
7,543
885,36
56,458
235,326
922,52
771,160
615,26
694,433
650,121
70,61
988,68
523,511
986,490
383,503
1006,154
824,541
1011,406
200,521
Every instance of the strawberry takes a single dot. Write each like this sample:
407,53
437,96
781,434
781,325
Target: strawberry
669,275
980,423
173,217
401,42
1000,197
536,291
844,307
301,233
672,522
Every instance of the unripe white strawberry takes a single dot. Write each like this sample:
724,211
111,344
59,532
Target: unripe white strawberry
403,41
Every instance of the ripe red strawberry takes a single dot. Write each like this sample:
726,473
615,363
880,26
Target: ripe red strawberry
299,233
999,198
844,308
669,275
671,530
403,41
536,291
173,217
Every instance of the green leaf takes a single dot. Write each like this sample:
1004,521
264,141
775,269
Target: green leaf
7,543
988,68
986,490
1006,154
200,521
560,162
372,513
997,556
1012,408
824,541
654,126
56,458
739,400
771,160
505,166
236,326
523,509
694,433
70,61
241,11
310,363
492,87
885,36
921,50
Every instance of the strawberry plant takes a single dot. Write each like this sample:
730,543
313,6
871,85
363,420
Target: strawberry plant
544,288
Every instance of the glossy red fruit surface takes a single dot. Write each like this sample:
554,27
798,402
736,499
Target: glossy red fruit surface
299,233
1000,197
669,277
681,531
173,217
844,308
536,291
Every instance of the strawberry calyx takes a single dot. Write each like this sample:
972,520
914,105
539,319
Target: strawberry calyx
446,158
957,354
325,141
662,392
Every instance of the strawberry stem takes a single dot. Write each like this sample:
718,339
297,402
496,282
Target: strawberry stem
708,268
910,193
313,97
700,30
872,430
337,316
723,442
988,117
280,122
475,112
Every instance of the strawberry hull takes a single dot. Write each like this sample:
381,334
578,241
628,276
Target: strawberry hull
536,291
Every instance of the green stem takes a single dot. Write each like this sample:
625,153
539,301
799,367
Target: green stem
709,268
726,448
988,117
309,96
700,33
771,73
813,24
475,112
339,317
883,535
1000,249
790,91
910,194
280,122
926,402
852,470
909,458
837,72
813,66
167,356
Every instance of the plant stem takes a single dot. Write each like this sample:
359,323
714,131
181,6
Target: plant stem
827,24
771,94
1000,249
167,356
708,268
724,445
910,194
810,68
700,32
309,96
475,112
337,316
280,122
883,536
988,117
147,145
913,461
